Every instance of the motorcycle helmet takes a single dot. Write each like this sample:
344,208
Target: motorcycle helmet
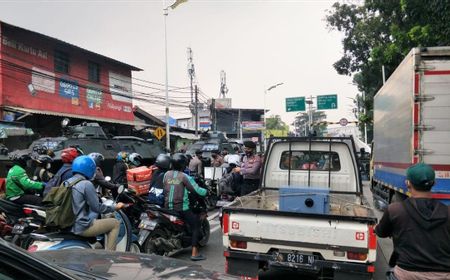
68,155
40,149
21,160
122,156
163,161
85,166
179,161
98,158
135,159
43,160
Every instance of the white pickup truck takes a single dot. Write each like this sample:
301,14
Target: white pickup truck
309,215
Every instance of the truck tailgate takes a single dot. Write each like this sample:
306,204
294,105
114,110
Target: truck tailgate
316,234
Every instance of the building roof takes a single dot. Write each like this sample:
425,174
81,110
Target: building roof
147,117
131,67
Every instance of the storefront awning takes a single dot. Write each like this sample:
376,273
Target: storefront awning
50,113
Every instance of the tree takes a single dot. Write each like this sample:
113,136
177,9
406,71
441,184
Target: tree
301,123
380,33
275,122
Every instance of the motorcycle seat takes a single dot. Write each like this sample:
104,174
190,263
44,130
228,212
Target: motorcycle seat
10,207
35,207
169,212
72,236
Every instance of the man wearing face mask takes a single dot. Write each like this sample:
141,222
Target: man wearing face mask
250,168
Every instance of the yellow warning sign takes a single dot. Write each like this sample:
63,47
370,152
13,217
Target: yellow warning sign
159,133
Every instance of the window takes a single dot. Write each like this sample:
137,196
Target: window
314,161
93,72
62,62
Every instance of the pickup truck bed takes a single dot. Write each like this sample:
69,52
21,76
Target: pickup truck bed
339,243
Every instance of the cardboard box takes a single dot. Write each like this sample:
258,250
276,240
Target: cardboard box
141,188
139,174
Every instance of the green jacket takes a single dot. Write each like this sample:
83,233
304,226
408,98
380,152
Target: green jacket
17,182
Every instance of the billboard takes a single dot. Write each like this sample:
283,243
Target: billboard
253,125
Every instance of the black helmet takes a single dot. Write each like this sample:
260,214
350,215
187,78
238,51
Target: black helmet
44,159
98,158
40,149
163,161
135,159
21,160
179,161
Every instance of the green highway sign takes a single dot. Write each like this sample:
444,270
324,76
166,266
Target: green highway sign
294,104
326,102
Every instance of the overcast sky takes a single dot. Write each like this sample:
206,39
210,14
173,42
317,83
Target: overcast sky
257,44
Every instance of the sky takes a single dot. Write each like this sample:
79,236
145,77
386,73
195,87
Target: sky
257,43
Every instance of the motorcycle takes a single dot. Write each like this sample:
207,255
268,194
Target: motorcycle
163,232
57,240
18,221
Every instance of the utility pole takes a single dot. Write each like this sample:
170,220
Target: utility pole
196,110
191,71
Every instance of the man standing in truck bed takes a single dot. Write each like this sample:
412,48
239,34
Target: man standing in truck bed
420,229
250,168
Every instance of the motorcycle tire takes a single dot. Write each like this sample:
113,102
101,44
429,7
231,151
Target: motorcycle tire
149,246
206,232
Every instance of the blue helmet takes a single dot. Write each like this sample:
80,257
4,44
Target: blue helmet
85,166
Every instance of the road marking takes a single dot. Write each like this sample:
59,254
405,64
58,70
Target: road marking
214,229
215,215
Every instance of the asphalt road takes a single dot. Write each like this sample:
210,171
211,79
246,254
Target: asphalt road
215,260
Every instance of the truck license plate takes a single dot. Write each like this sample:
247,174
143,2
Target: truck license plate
18,229
298,258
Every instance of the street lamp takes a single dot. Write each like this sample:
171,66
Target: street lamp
265,92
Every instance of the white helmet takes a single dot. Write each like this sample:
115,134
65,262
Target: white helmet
234,160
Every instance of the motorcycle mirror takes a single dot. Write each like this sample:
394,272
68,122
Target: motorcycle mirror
107,178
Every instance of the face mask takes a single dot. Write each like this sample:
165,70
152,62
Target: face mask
48,166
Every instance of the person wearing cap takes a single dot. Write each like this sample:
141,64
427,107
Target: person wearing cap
250,168
420,229
196,164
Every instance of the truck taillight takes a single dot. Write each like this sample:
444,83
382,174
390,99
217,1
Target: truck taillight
356,256
225,222
238,244
372,241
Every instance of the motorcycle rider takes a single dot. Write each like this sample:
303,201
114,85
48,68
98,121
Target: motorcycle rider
120,169
19,186
176,187
42,173
86,205
99,178
155,194
135,160
68,155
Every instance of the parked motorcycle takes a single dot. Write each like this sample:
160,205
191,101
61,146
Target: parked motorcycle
163,232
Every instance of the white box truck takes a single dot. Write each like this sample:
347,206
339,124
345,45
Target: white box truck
412,125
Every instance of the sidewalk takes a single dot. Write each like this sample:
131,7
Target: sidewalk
385,246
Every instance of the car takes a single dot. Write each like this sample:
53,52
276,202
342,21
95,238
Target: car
16,263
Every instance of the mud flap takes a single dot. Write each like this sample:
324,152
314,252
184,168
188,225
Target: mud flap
340,275
241,267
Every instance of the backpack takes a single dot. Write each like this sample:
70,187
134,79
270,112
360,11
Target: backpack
156,193
58,202
55,181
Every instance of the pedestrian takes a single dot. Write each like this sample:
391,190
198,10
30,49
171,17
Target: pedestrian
420,229
250,168
196,164
19,187
87,207
120,169
177,186
216,159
